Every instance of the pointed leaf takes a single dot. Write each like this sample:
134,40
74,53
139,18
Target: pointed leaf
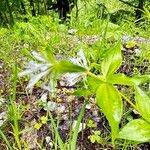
76,129
143,103
112,60
139,79
83,92
54,126
109,100
121,79
64,66
136,130
70,79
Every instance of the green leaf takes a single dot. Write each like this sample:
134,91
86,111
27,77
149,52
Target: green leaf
143,103
54,126
48,54
2,135
139,79
109,100
76,129
38,126
44,119
82,92
92,138
130,44
93,83
64,66
91,124
136,130
121,79
112,61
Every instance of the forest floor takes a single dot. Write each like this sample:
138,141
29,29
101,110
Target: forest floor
66,107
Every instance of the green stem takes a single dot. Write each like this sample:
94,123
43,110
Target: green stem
95,76
128,100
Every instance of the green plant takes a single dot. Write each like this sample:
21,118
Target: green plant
91,124
108,97
13,117
5,139
43,120
95,137
71,144
14,114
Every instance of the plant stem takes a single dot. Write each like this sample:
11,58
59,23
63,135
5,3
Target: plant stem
95,76
128,100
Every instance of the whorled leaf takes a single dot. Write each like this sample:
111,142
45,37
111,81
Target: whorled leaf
109,100
34,68
142,103
49,69
112,61
38,57
136,130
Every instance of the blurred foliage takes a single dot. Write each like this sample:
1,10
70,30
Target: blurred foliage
118,10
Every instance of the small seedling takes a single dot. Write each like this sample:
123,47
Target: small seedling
44,119
91,124
130,44
39,124
95,137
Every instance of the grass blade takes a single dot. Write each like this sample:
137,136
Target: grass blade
5,139
75,133
60,142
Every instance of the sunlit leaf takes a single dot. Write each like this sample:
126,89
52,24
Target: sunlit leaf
44,119
34,68
130,44
112,61
38,56
109,100
38,126
136,130
93,83
139,79
143,103
64,66
83,92
120,79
